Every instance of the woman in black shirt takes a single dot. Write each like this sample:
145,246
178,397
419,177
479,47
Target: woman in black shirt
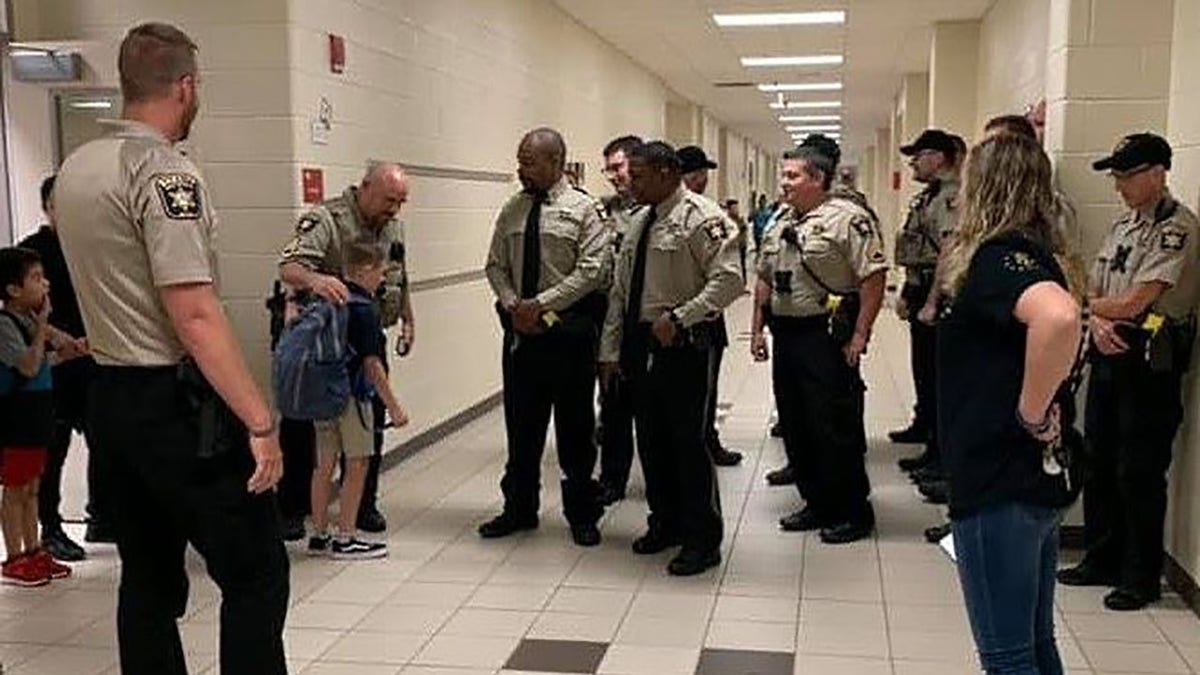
1007,347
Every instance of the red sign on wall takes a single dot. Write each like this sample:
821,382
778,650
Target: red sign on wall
312,182
337,53
895,180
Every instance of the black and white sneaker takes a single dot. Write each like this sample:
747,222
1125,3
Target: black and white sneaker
318,544
356,549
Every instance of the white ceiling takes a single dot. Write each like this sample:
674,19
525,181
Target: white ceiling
678,41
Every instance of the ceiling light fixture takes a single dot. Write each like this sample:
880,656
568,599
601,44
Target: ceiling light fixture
801,86
779,19
801,137
781,61
810,118
91,105
795,105
815,127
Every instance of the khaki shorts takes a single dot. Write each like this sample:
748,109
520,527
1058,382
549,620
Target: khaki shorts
350,435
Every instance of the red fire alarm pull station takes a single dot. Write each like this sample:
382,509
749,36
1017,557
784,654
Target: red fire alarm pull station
337,53
313,183
895,180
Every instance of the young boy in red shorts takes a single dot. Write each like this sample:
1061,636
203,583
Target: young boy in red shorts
29,346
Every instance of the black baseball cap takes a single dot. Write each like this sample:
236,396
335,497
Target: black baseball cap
932,139
692,158
1137,150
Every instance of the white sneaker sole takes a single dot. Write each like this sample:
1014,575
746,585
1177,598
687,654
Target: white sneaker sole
360,555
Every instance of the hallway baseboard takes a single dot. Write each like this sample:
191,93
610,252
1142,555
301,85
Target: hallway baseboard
396,455
1178,578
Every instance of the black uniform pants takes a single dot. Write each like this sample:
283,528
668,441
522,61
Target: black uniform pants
616,434
712,438
167,497
71,384
1130,423
298,440
670,390
923,355
544,374
820,401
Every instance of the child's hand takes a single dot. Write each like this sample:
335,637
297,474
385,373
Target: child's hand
43,314
399,416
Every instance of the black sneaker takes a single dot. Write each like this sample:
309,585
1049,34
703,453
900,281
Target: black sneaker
293,529
318,544
610,495
784,476
99,533
1087,574
690,563
777,430
356,549
1130,600
726,457
506,524
371,520
912,434
586,535
911,464
803,520
937,533
927,474
846,533
60,547
935,492
654,541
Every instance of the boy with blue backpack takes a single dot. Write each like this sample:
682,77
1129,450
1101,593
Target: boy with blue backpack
328,366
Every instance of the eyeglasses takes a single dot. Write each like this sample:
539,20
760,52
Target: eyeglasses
1130,173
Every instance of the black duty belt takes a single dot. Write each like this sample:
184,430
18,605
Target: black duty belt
800,323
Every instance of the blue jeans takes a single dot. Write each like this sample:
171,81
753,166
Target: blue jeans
1007,557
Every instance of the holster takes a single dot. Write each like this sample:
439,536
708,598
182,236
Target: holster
219,431
844,319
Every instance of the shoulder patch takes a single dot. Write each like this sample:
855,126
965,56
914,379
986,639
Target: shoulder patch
862,225
1173,239
179,194
1019,261
307,223
716,229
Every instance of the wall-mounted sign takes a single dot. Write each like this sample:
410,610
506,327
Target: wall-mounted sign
312,184
322,124
337,54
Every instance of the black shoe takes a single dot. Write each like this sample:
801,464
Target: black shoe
845,533
318,544
777,430
1129,600
937,533
293,529
506,524
725,457
1086,574
803,520
930,473
586,535
654,541
689,563
935,492
911,464
784,476
100,533
371,520
60,547
610,495
913,434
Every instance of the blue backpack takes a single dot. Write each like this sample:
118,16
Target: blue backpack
311,367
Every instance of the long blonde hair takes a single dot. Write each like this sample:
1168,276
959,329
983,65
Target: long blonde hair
1008,188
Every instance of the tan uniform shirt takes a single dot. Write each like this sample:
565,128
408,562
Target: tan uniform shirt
932,220
691,267
1159,245
839,243
134,216
575,250
322,234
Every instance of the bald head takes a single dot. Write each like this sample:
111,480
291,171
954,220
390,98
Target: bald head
541,158
383,192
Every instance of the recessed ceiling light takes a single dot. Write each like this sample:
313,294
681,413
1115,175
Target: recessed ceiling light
794,105
779,19
801,86
91,105
810,118
779,61
816,127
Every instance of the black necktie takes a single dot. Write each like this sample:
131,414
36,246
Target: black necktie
637,281
531,258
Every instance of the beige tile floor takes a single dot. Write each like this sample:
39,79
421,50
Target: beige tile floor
446,603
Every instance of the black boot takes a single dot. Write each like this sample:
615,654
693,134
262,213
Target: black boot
914,433
369,517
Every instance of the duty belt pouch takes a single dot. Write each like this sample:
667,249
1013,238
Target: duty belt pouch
1170,348
844,319
584,318
219,431
908,248
505,317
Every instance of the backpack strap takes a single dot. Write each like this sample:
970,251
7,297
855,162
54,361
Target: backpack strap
20,326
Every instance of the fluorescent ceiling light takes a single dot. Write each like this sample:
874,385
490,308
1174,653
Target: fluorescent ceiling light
779,61
816,127
91,105
810,118
801,137
794,105
801,86
779,19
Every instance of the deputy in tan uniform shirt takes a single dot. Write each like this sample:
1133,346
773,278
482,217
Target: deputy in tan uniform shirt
822,248
172,397
546,265
677,271
1144,293
312,262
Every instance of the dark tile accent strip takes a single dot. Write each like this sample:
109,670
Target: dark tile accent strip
743,662
557,656
1183,583
446,281
394,456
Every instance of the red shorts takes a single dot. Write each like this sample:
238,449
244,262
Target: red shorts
19,466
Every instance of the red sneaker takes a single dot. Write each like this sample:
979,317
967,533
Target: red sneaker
55,569
24,571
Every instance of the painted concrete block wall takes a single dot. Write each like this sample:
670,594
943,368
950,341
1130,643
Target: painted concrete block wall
953,69
1012,58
